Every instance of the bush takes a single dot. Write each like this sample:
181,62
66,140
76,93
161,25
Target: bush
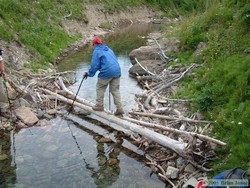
245,14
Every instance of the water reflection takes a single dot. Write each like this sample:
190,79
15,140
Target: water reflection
50,157
107,170
7,164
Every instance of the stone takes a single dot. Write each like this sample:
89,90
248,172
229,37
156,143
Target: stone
180,162
3,157
191,182
189,169
52,112
144,53
43,123
105,140
26,115
112,161
21,125
172,172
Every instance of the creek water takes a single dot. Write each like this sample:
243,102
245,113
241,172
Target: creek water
85,152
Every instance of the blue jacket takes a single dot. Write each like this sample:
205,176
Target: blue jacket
104,61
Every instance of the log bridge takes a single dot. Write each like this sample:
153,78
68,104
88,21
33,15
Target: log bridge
163,140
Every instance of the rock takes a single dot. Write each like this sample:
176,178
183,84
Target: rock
40,113
102,160
191,182
21,125
26,115
171,163
180,162
105,140
154,66
112,162
189,169
43,123
4,107
144,53
52,112
29,98
3,157
6,125
172,172
21,102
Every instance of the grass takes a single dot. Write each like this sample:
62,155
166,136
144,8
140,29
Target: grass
36,24
221,87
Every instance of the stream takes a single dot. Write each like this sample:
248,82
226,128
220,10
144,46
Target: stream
79,150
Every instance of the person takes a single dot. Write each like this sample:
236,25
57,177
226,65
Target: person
3,93
2,69
3,97
105,61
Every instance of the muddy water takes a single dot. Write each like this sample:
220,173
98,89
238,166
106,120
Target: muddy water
78,150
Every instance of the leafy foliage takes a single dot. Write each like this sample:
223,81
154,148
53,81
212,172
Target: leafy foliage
221,87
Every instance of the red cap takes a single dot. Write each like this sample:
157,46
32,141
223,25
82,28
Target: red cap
97,40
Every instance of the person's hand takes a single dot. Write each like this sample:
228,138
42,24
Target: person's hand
4,75
85,75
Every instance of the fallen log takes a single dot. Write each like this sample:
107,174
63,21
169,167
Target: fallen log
175,80
181,118
176,146
145,69
185,133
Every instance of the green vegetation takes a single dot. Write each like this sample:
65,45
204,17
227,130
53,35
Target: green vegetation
105,25
36,24
111,6
220,88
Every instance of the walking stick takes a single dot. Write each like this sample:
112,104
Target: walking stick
109,100
70,109
7,93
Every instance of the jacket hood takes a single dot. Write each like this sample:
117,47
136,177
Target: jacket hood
102,47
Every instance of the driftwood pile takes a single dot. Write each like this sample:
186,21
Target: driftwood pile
171,117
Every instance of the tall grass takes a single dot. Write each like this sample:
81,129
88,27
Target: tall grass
36,24
111,6
221,87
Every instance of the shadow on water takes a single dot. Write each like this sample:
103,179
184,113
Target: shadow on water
80,151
